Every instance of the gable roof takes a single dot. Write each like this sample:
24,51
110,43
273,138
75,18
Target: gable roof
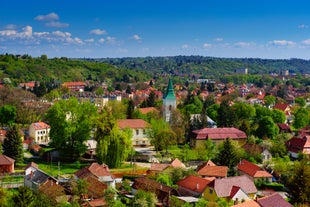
148,110
94,169
159,166
5,160
219,133
177,163
249,203
40,125
299,144
273,200
253,170
213,171
281,106
194,183
223,186
95,188
132,123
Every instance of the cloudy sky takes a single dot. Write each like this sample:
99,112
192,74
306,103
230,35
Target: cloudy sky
131,28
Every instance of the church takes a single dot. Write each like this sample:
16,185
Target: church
169,102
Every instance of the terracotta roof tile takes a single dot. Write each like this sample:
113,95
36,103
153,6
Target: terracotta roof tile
5,160
40,125
132,123
97,202
223,186
159,166
274,200
298,144
233,191
220,133
194,183
252,169
177,163
249,203
213,171
281,106
148,110
94,169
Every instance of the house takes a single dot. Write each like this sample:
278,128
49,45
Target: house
95,188
249,203
100,172
6,164
273,200
209,169
284,128
298,145
160,167
39,132
237,187
74,86
285,108
161,191
99,202
253,171
217,135
255,149
28,85
192,186
139,128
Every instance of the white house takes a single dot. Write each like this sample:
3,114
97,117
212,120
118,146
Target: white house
39,132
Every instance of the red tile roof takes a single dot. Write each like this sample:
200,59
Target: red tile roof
158,167
40,125
5,160
148,110
132,123
194,183
213,171
253,170
299,144
249,203
94,169
233,191
281,106
223,186
219,133
274,200
95,188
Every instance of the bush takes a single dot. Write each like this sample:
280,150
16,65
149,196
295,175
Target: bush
274,186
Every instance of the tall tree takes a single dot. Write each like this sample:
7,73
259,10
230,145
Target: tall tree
151,99
113,145
23,197
299,183
130,109
12,145
301,118
227,156
267,128
71,124
157,126
226,116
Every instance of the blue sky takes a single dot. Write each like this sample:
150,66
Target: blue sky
139,28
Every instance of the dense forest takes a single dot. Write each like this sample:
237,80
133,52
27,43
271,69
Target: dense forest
208,66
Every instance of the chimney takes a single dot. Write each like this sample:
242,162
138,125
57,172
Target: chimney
197,186
31,174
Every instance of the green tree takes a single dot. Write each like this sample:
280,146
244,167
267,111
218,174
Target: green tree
130,109
227,156
164,139
157,125
71,124
12,145
109,195
301,118
144,199
226,116
113,145
278,116
23,197
151,99
269,100
267,128
243,111
7,114
300,101
299,183
212,112
4,197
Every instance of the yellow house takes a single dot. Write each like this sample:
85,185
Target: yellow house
231,188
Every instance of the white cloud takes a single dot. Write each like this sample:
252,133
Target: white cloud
218,39
306,42
8,33
61,34
41,34
10,27
89,40
101,40
303,26
243,44
49,17
57,24
282,43
111,40
185,46
136,37
98,32
206,45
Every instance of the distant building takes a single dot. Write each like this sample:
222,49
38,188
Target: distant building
39,132
241,71
169,102
74,86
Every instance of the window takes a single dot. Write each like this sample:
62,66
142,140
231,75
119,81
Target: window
144,132
210,191
137,131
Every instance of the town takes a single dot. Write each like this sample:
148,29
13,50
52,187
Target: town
166,139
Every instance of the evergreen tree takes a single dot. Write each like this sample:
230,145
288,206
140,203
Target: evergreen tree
23,197
226,116
12,145
130,109
151,99
128,89
227,156
7,114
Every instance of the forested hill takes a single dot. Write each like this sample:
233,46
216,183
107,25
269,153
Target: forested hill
209,66
26,68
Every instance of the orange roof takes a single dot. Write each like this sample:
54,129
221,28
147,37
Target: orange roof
68,84
253,170
132,123
40,125
177,163
148,110
194,183
213,171
5,160
97,202
94,169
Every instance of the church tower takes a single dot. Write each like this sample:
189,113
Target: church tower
169,102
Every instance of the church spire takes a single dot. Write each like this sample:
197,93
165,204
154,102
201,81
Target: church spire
169,92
